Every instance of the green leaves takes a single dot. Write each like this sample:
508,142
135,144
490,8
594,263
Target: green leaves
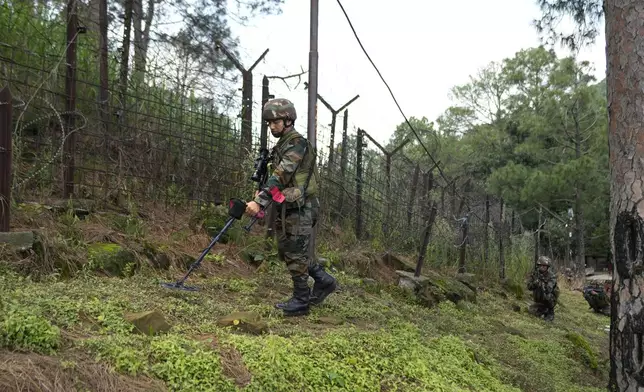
531,129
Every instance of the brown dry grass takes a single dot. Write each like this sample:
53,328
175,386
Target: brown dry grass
232,363
233,366
36,373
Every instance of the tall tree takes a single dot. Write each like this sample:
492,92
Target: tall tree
624,21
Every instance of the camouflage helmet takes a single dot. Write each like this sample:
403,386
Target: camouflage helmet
543,260
279,108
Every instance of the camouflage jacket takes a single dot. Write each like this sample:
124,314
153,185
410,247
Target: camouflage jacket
596,297
544,286
294,161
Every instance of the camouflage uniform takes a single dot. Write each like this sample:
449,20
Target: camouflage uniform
597,298
295,174
544,290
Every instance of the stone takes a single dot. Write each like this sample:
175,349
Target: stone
19,240
148,323
467,279
250,322
369,282
432,288
112,259
397,262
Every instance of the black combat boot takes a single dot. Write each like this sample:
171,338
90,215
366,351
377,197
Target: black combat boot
298,304
324,285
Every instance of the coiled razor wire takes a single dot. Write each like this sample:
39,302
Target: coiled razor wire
65,135
21,104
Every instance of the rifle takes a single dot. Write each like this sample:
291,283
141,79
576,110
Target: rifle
261,168
260,176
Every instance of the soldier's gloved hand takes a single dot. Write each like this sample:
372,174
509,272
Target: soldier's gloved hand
252,208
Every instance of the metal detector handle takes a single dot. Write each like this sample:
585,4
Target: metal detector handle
255,218
276,196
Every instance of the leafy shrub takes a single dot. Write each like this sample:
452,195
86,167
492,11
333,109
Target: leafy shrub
20,328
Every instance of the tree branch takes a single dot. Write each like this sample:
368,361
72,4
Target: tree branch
284,78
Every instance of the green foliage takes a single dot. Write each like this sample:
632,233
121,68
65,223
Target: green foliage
583,348
532,133
382,338
22,329
187,365
111,258
364,361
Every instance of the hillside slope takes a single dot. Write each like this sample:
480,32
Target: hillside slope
76,333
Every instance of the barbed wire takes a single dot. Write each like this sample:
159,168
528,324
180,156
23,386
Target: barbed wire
64,137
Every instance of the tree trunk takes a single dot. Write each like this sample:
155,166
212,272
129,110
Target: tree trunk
537,239
580,265
141,36
125,56
501,235
486,231
624,78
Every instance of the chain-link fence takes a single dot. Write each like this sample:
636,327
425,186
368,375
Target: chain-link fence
86,125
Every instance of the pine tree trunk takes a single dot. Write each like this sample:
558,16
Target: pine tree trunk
624,78
486,232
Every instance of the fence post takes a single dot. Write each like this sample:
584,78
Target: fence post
5,158
343,160
70,89
334,114
263,141
263,136
359,146
386,226
412,194
247,94
464,227
430,216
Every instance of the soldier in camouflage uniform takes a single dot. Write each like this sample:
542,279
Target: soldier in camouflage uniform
295,174
598,298
543,284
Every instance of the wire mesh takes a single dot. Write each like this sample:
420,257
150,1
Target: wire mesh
173,137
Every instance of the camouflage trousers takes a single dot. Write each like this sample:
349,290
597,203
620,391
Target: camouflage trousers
294,226
541,309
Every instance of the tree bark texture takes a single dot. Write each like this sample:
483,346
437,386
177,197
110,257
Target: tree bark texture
625,93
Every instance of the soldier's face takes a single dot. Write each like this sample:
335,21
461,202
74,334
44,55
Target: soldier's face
277,127
543,268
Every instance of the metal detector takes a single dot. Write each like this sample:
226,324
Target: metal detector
236,209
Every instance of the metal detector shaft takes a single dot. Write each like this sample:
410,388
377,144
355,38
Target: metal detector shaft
194,265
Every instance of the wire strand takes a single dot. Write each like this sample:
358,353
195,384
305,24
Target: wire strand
355,34
390,92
